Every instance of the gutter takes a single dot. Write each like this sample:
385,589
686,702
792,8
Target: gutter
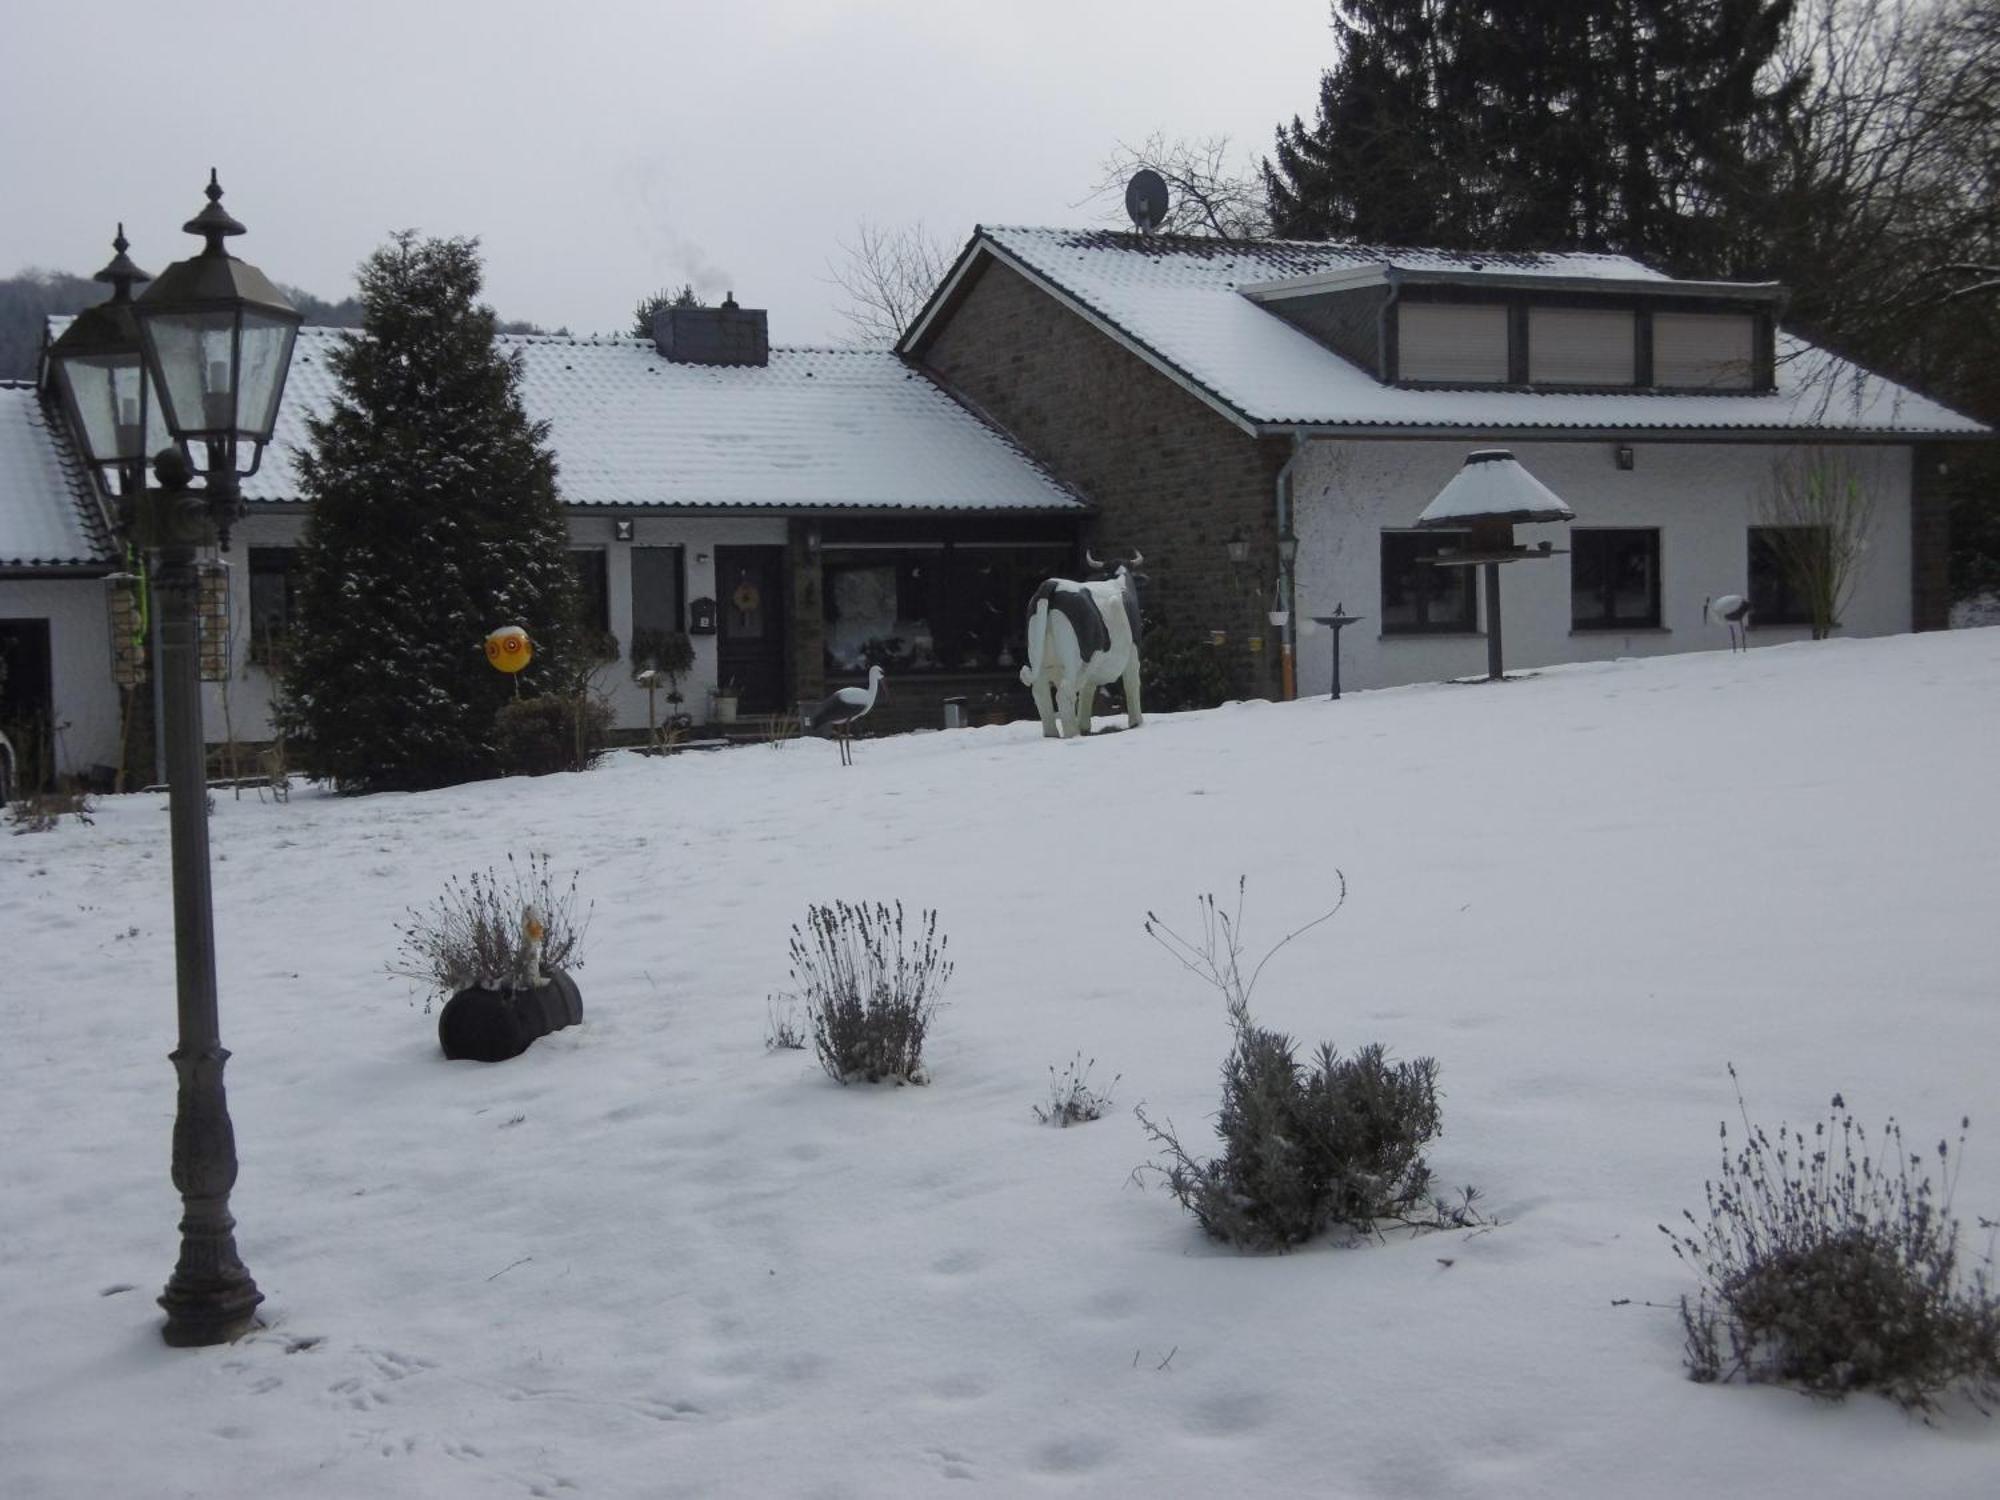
1282,500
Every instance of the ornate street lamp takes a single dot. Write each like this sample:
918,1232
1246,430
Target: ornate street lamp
217,342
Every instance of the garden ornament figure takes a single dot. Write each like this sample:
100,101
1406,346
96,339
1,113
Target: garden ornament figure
1081,636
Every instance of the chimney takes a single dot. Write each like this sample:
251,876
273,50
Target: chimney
725,335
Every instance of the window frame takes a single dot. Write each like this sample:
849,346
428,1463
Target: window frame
267,648
598,637
1607,619
1465,621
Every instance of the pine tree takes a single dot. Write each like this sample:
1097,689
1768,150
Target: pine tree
434,519
1638,126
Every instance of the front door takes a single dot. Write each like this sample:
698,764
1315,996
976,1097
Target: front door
750,626
27,704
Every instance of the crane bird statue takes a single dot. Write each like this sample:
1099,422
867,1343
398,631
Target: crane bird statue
1734,611
837,713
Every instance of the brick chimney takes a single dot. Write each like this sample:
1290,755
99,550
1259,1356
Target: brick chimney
725,335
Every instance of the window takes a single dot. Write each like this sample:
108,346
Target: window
1417,597
1454,342
593,613
1704,351
1614,580
1775,597
957,608
658,583
274,590
1581,346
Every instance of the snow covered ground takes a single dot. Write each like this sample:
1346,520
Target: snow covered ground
650,1258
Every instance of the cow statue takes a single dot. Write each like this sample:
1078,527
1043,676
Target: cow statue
1081,636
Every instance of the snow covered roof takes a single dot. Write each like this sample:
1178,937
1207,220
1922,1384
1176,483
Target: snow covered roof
48,510
1190,307
1492,486
814,429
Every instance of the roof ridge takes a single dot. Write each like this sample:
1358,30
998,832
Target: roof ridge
1274,242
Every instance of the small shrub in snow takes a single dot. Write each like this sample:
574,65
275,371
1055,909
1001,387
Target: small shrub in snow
783,1031
1072,1101
539,736
1832,1264
869,989
473,934
1337,1141
39,812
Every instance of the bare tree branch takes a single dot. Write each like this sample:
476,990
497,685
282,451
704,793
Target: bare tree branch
1207,194
887,275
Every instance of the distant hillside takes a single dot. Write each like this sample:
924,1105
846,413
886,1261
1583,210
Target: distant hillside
28,300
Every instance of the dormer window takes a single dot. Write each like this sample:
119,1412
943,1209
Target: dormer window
1454,343
1587,346
1704,351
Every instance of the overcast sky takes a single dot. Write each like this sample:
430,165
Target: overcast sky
601,149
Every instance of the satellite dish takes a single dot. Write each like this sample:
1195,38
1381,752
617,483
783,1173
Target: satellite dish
1146,199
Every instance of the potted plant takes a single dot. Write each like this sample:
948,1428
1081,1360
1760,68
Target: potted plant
657,654
722,703
499,950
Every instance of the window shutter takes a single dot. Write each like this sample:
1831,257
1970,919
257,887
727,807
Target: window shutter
1449,341
1704,351
1580,346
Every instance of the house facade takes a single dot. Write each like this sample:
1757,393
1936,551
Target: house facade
1201,392
799,513
59,704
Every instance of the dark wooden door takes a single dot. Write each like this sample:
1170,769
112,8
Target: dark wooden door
750,640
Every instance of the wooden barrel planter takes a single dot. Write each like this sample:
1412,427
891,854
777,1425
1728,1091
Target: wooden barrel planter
492,1025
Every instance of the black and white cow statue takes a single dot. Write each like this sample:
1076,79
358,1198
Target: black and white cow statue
1080,637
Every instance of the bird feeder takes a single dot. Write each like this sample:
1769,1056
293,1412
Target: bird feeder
1336,622
1488,497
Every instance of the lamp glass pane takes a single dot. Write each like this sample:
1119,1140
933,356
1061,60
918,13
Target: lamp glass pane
194,357
97,391
267,353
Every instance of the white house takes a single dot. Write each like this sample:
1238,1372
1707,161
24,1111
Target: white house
59,706
1201,392
792,509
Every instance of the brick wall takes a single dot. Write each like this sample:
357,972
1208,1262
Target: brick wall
1167,473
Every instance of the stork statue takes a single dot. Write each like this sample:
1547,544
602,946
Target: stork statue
1733,610
837,713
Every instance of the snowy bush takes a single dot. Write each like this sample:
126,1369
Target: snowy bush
868,989
474,934
1072,1100
1338,1141
1833,1265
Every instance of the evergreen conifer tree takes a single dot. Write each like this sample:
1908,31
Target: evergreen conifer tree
1643,127
434,519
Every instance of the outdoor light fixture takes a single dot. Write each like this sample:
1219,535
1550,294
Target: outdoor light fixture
100,371
621,531
1237,548
1288,550
812,542
216,338
1623,454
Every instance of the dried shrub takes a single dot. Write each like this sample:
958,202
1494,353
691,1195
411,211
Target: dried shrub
40,812
869,990
1831,1263
1072,1100
1338,1141
783,1030
473,934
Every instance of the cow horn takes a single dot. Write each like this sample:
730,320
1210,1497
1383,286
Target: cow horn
1137,558
1091,561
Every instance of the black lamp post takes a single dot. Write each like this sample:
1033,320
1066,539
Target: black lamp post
216,339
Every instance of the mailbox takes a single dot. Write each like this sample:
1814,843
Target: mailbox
701,617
